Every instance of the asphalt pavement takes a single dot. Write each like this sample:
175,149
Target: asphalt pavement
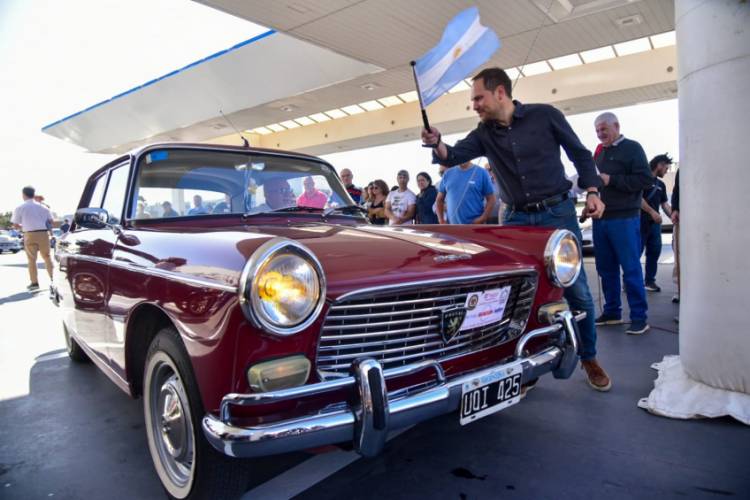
67,432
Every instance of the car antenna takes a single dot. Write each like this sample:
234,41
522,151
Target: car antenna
245,142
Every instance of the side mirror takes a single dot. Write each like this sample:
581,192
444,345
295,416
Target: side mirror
91,218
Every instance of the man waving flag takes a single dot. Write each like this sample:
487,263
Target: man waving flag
465,46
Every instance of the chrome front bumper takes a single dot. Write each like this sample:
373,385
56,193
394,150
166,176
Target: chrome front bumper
367,422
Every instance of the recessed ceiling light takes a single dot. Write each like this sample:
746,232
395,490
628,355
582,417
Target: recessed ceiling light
320,117
596,55
336,113
352,110
565,62
276,127
371,105
632,46
663,39
304,121
628,21
290,124
459,87
390,101
262,131
409,96
536,68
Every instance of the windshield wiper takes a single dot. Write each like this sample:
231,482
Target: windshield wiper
283,209
345,208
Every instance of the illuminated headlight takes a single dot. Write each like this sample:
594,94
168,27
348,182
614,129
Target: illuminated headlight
562,258
282,287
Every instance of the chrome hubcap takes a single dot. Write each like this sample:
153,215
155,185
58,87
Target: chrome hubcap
171,423
172,420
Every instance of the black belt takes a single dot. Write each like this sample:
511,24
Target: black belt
541,206
37,231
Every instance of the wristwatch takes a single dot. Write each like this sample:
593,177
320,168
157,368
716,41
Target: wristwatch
595,193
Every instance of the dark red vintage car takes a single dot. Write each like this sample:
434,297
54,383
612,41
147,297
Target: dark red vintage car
244,295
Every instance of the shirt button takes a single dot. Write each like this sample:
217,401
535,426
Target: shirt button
528,194
523,177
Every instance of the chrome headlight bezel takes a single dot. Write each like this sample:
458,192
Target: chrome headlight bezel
248,295
551,250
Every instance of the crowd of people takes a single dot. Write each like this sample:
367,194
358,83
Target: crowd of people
524,183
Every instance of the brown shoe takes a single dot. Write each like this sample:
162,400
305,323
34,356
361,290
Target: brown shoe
596,376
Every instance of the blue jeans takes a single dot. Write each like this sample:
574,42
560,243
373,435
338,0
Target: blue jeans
563,216
651,241
617,244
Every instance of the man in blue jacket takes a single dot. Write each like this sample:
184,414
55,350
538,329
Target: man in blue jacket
625,173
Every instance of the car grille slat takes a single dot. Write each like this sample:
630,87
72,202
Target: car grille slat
400,326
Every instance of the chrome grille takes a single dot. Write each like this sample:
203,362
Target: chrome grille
401,326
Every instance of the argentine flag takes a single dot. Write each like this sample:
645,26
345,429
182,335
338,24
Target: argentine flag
465,46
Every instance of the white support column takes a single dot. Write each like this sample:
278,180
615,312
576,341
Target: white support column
713,41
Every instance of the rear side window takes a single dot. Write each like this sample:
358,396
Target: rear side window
114,199
96,195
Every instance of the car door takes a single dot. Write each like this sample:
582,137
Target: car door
89,275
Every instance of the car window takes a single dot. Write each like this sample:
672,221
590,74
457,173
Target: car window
96,195
179,183
114,199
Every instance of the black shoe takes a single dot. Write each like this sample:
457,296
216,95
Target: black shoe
675,299
652,287
637,328
609,319
32,287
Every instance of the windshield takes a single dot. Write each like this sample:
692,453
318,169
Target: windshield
181,182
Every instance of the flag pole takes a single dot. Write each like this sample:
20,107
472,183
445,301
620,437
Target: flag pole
419,94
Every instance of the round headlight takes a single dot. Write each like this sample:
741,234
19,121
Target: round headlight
562,258
282,287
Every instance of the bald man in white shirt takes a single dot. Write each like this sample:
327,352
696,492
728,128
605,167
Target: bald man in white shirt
32,218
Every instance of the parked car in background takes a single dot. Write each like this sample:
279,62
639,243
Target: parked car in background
10,242
264,326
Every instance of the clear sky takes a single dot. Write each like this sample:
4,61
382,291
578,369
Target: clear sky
59,57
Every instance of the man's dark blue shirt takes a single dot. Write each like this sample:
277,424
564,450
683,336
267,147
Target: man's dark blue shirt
525,156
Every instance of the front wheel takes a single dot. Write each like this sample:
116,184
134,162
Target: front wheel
185,462
75,352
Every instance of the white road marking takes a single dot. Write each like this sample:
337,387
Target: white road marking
307,474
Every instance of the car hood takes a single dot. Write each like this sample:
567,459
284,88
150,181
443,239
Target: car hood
352,256
366,255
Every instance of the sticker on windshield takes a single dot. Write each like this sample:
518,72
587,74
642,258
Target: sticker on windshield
258,166
156,156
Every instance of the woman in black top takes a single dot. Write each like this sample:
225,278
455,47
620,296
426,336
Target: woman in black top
426,199
376,210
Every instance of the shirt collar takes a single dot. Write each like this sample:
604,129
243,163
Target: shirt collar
519,110
618,141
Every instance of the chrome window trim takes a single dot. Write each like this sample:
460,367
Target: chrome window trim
182,278
262,255
552,243
440,281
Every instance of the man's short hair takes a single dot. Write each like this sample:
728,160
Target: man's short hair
402,172
660,159
494,77
607,117
29,191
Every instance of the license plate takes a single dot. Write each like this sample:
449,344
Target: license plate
490,392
